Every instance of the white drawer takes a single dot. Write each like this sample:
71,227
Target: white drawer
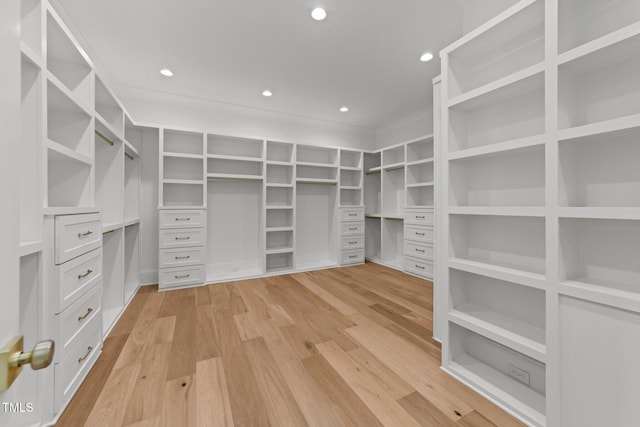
419,216
71,371
421,267
418,233
181,276
77,276
72,321
352,257
348,228
183,218
352,242
182,256
352,214
76,235
182,238
418,250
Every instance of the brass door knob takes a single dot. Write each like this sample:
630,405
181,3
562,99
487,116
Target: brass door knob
39,358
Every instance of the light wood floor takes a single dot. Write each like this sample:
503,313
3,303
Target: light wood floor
338,347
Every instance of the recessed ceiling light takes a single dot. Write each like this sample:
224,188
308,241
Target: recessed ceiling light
166,72
318,14
428,56
344,109
267,93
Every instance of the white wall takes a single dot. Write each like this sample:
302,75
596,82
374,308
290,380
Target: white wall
411,127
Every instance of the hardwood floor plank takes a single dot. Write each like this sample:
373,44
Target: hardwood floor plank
236,303
247,403
163,330
354,412
182,362
392,384
425,412
112,402
403,322
474,419
212,401
80,407
203,296
281,406
386,409
247,326
206,340
125,324
179,407
146,401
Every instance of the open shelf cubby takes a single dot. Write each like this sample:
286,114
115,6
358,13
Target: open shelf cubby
249,168
67,64
487,365
511,178
279,152
351,159
393,192
373,235
420,196
279,262
182,169
279,240
279,174
279,218
108,108
68,124
68,182
582,21
181,195
583,180
322,173
600,86
601,254
183,142
506,48
393,156
504,308
509,113
420,173
420,150
350,197
228,146
279,196
319,155
350,178
516,243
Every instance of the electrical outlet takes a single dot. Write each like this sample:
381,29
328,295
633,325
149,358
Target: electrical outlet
520,374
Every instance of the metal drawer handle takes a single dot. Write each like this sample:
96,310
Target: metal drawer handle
186,276
82,276
420,216
183,219
353,214
81,359
419,234
353,256
421,267
353,228
85,234
183,238
183,257
420,250
353,243
89,311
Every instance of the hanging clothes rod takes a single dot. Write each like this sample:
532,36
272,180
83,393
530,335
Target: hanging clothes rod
129,156
235,179
317,183
110,142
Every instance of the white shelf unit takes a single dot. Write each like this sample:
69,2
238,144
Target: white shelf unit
279,207
351,178
420,178
316,165
133,141
234,215
182,169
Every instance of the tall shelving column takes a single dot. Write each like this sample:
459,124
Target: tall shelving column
372,198
279,207
494,135
183,216
351,232
132,146
393,204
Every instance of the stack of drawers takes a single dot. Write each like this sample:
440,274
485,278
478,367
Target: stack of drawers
351,235
77,297
418,242
182,248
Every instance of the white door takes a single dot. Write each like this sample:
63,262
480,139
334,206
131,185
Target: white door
18,405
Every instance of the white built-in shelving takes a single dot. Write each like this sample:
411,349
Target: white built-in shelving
182,169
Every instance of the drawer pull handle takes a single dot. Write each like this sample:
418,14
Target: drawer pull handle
89,311
82,359
353,243
353,256
183,257
183,238
419,216
353,214
353,228
420,250
421,267
183,219
82,276
419,234
85,234
186,276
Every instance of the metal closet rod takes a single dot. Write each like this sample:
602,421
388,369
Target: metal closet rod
129,156
107,140
235,179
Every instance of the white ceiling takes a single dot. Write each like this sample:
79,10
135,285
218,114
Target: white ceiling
364,55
